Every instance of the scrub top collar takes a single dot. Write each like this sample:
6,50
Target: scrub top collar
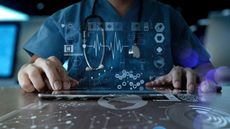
131,14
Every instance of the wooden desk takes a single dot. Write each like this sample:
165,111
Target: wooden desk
212,114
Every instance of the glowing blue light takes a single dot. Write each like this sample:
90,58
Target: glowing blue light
159,127
7,14
7,47
65,65
190,60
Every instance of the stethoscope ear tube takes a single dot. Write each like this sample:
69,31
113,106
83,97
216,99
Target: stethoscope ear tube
85,30
84,46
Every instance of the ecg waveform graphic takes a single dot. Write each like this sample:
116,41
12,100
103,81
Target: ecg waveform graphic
114,46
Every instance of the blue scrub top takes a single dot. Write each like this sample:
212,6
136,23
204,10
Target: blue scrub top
164,40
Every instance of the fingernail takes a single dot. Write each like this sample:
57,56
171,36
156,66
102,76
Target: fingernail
57,85
66,85
73,83
191,87
177,84
157,82
149,84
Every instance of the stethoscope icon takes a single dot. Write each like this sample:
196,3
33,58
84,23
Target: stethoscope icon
84,46
100,25
135,50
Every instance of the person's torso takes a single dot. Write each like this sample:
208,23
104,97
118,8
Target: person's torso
121,70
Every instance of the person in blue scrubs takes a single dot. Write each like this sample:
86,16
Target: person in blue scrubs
114,45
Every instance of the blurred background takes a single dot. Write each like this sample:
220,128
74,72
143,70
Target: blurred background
19,19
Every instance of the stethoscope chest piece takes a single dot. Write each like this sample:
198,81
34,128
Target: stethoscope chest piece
135,51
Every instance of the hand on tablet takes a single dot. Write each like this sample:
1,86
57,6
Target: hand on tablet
180,78
44,73
175,78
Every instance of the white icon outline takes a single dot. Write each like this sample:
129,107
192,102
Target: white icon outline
68,48
159,38
159,27
109,26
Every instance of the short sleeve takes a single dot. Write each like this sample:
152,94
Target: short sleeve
186,48
47,41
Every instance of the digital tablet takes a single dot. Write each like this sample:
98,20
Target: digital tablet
95,94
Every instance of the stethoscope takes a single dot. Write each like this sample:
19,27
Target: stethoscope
135,50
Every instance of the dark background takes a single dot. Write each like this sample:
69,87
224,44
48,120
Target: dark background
192,10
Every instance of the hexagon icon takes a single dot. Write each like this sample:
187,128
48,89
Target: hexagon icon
159,27
159,38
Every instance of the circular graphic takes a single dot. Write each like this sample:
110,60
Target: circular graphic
122,102
159,62
119,87
70,26
159,27
197,116
124,83
159,38
129,80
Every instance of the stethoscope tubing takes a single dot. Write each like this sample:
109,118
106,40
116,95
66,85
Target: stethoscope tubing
85,34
